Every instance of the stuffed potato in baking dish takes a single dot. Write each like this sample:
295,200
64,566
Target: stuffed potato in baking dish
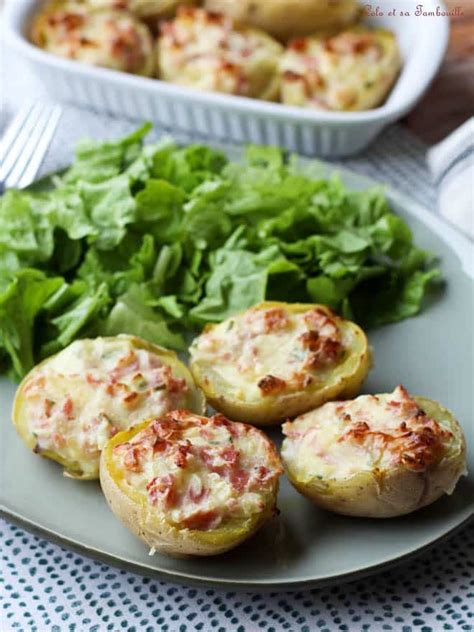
289,18
68,406
278,360
100,37
353,70
377,456
331,62
191,485
207,51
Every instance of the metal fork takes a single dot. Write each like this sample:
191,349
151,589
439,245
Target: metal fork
25,142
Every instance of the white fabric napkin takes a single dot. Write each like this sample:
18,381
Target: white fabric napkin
451,163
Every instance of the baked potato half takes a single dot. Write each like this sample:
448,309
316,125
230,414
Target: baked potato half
207,51
68,406
289,18
191,485
353,70
377,456
97,36
278,360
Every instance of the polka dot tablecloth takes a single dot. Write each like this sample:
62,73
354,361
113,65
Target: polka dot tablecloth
46,588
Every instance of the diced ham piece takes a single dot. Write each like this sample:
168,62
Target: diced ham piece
126,364
162,489
68,408
203,520
182,452
58,440
239,479
271,384
131,399
265,321
48,407
131,459
93,381
197,492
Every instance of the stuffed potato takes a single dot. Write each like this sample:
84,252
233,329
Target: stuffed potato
206,51
353,70
68,406
289,18
100,37
377,456
191,485
279,360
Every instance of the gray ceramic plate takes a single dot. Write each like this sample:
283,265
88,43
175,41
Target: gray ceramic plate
431,354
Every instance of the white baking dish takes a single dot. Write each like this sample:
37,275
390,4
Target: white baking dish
423,41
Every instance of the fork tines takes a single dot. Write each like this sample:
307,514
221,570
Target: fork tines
25,143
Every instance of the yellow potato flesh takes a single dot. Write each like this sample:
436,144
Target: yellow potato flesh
134,510
74,468
343,380
391,492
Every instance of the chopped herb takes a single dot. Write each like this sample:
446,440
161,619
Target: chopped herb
298,355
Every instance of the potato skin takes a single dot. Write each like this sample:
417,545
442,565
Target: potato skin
133,510
388,494
273,409
289,18
74,469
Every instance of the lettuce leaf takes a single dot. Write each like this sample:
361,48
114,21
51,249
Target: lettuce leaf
99,161
20,305
131,314
158,240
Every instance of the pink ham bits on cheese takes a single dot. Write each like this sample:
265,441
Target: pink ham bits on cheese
198,472
75,401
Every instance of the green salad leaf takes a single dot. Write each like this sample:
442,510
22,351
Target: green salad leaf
20,304
156,240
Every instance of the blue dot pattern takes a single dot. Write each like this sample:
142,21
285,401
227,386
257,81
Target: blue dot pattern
44,587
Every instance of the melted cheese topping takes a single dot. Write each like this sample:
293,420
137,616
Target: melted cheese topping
82,396
267,351
198,472
353,70
372,433
109,38
205,51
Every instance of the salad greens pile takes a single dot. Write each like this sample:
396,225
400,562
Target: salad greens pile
154,240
